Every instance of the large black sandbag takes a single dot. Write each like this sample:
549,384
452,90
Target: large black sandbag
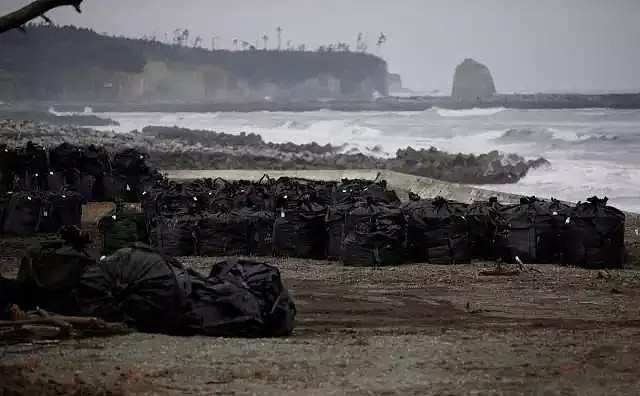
23,214
375,235
94,161
594,235
174,236
534,231
63,157
171,203
220,308
138,286
8,297
32,158
55,181
50,272
437,231
335,225
300,231
28,180
485,227
223,234
122,228
4,202
261,226
7,167
86,185
61,209
362,190
277,308
128,189
130,162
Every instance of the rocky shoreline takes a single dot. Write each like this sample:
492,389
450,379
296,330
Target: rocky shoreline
43,116
173,148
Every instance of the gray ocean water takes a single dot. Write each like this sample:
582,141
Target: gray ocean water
592,151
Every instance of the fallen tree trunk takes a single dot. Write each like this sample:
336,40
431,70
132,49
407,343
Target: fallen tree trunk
36,9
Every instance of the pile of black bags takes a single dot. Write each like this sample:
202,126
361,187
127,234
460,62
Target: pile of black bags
90,171
360,222
24,214
149,291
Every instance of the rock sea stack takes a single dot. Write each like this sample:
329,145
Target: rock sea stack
472,81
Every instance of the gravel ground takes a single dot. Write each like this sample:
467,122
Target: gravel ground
416,329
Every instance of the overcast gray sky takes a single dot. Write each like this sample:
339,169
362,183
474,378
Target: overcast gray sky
541,45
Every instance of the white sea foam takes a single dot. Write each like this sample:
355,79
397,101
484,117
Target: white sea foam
589,155
475,112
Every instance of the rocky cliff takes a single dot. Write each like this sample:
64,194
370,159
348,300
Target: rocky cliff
472,81
67,63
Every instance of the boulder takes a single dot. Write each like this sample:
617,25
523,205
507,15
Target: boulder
472,81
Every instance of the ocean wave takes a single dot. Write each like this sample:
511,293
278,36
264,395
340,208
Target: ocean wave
474,112
87,110
548,135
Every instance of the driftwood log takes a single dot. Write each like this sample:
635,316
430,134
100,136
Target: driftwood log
36,9
40,325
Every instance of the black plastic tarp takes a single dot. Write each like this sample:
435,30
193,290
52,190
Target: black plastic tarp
50,272
219,307
277,309
138,286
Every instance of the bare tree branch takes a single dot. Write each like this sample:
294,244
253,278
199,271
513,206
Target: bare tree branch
36,9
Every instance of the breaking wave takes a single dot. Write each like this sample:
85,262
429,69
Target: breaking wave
544,135
475,112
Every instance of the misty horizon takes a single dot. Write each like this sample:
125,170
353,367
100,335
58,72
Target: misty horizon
576,46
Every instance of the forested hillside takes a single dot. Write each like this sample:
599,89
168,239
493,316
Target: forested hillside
72,63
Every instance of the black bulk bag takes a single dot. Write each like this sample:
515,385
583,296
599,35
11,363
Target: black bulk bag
222,234
86,185
300,232
138,286
7,166
485,227
64,157
375,235
27,180
55,181
174,236
335,225
116,187
61,209
8,297
437,231
130,162
122,228
93,160
238,232
23,214
170,203
534,231
261,226
277,308
594,235
32,158
50,272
